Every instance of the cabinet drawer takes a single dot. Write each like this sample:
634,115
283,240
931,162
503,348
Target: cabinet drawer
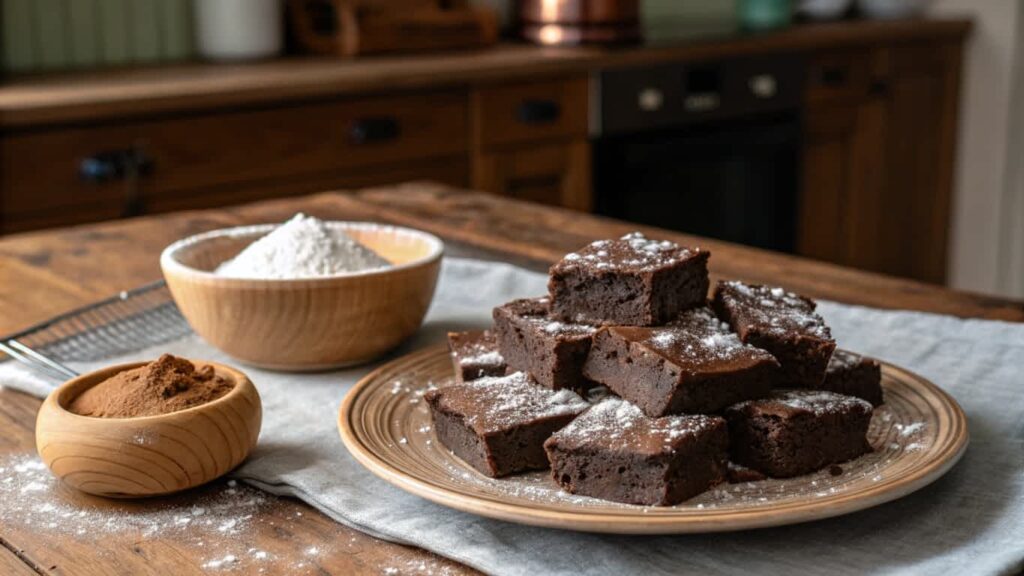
42,169
556,174
453,171
515,113
837,77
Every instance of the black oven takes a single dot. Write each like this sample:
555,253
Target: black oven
710,148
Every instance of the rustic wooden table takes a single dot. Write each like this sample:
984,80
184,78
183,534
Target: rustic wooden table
42,274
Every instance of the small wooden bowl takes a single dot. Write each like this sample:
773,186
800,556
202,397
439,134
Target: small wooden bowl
148,455
308,324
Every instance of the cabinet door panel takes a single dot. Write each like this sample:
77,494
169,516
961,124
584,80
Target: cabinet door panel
917,201
866,202
556,174
878,168
825,174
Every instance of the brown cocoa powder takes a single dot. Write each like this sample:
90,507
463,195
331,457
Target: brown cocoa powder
165,385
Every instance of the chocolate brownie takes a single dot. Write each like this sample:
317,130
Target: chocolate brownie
794,432
615,452
475,355
631,281
854,375
694,365
737,474
782,323
498,425
551,350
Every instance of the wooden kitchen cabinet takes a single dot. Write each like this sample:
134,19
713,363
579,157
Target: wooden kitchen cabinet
878,115
205,160
556,174
879,145
530,141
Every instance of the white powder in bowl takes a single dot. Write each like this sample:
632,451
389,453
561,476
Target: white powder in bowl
303,247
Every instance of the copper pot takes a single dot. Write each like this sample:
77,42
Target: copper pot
579,21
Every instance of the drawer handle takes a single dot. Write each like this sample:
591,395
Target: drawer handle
375,129
115,165
536,112
833,76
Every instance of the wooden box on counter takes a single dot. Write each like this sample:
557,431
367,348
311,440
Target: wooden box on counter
879,121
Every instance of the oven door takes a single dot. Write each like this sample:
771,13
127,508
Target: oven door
734,181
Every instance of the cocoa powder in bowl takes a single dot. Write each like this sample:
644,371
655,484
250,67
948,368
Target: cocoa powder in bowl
168,384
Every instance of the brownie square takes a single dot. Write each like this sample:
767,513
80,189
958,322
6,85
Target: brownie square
616,452
552,351
630,281
794,432
693,365
498,425
475,355
854,375
782,323
737,474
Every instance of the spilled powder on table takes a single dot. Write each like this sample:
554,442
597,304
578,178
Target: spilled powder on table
220,525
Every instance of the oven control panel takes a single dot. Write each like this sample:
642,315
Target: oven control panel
640,99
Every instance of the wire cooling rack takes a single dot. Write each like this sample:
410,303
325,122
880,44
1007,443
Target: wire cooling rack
129,321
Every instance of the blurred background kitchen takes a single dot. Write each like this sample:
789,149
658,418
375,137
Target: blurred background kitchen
878,134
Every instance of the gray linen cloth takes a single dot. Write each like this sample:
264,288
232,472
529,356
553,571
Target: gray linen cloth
969,522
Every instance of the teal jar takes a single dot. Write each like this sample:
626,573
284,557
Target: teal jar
765,14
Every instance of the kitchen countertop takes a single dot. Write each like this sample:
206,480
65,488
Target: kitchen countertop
74,97
45,273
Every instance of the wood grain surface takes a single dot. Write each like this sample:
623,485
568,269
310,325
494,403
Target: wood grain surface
44,273
12,565
93,96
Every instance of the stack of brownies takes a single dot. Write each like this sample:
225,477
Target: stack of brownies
632,387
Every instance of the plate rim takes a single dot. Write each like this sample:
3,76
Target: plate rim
703,521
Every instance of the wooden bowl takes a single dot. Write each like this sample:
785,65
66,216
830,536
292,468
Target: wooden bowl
308,324
148,455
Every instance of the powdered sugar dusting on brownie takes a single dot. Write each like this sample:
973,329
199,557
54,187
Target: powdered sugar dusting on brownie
534,311
616,424
555,327
665,339
698,336
844,360
480,355
476,354
475,348
631,252
775,310
496,402
817,402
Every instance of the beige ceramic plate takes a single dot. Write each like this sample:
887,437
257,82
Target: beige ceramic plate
918,435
